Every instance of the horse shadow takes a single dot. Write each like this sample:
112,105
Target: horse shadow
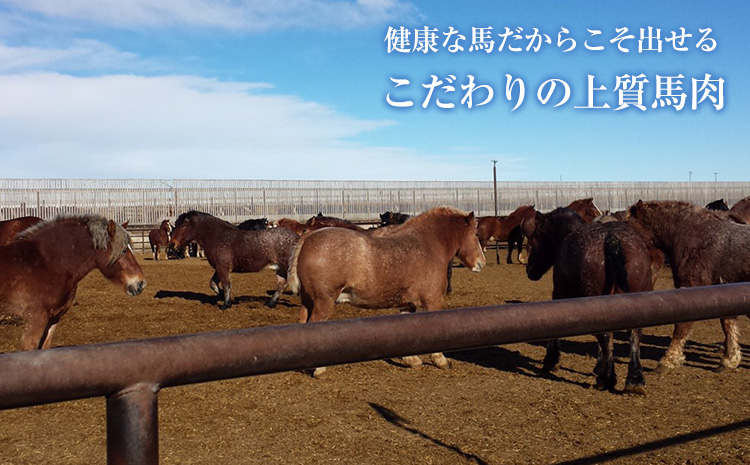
213,299
512,361
400,422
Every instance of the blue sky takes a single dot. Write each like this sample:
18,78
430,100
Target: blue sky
297,90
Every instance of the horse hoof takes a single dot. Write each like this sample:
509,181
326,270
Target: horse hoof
548,368
723,369
318,372
412,361
271,304
635,389
662,369
224,306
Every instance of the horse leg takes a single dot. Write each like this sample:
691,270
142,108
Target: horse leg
674,356
732,354
605,364
412,361
635,383
319,310
449,275
155,251
511,246
552,357
214,283
35,332
280,286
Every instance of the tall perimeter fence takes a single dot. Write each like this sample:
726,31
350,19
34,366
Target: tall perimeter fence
146,202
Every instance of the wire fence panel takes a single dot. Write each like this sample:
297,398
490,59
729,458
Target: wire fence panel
146,202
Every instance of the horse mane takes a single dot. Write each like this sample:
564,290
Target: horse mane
189,214
98,227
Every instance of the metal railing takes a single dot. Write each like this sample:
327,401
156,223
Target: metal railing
130,374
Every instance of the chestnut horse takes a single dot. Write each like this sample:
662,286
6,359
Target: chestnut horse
9,229
499,229
40,271
703,248
740,211
293,225
402,266
159,238
592,259
585,208
320,221
230,249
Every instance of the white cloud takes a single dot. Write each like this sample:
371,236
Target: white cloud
54,125
252,15
81,54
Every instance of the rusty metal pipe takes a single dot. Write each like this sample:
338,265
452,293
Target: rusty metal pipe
38,377
132,426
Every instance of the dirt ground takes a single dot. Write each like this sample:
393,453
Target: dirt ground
491,407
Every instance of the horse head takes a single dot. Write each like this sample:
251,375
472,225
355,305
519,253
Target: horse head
549,231
470,251
184,231
117,262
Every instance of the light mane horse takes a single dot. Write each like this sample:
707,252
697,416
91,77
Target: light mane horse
400,266
40,271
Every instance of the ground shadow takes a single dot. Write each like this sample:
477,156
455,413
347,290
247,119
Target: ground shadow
660,444
396,420
213,299
511,361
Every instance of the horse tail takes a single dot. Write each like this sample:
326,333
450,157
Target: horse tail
615,273
292,278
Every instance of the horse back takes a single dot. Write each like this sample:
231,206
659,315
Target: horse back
593,254
250,251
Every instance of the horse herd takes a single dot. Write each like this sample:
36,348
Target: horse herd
405,262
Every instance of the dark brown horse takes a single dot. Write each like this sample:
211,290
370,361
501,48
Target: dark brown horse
718,205
390,218
585,208
703,248
9,229
254,224
159,238
229,249
499,229
740,211
592,259
40,271
400,266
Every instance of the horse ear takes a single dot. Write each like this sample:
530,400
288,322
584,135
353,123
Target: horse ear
125,224
111,228
470,218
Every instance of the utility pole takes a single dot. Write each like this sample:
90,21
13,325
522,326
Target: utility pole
494,181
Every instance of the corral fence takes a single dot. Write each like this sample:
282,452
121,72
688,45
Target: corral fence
144,203
130,374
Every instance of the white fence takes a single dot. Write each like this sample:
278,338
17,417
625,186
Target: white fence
145,202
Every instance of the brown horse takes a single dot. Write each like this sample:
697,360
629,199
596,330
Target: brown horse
159,238
740,211
703,248
293,225
499,229
9,229
401,266
230,249
40,271
585,208
592,259
320,221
